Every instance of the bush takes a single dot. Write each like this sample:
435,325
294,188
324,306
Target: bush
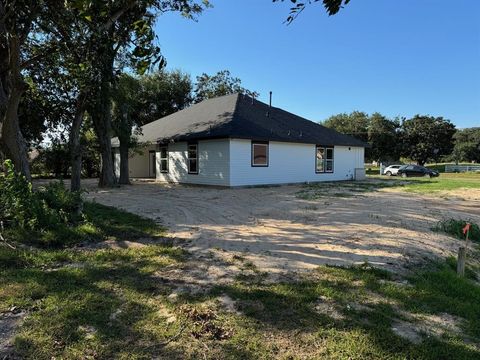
455,228
52,208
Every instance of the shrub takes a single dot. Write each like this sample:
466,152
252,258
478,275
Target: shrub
455,227
51,208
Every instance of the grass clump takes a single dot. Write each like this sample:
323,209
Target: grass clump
454,227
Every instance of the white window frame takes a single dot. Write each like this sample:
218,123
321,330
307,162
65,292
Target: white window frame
267,155
189,159
325,159
162,170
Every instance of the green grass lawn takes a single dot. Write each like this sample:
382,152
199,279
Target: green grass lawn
112,304
445,182
116,303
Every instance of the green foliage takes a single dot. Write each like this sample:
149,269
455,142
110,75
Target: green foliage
15,198
36,213
49,217
55,159
140,100
354,124
377,130
455,227
426,138
163,93
331,7
382,136
467,145
222,83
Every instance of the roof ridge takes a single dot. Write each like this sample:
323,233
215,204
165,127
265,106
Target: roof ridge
235,107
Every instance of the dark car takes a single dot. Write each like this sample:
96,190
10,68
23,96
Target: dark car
416,170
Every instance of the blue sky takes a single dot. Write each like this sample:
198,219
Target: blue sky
398,57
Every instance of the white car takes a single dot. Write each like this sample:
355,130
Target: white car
391,170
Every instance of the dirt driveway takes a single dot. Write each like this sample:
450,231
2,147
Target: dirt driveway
278,231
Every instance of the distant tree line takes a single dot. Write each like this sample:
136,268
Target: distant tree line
421,139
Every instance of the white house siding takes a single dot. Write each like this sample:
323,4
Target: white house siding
289,163
138,162
213,164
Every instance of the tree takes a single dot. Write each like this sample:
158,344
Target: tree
126,105
383,138
163,93
467,145
426,138
103,37
331,6
138,101
123,35
222,83
378,131
354,124
16,21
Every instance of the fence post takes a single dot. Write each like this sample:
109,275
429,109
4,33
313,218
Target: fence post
462,255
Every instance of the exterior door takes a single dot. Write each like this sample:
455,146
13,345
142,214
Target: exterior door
152,164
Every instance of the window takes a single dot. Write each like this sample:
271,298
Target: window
324,159
163,159
259,153
193,158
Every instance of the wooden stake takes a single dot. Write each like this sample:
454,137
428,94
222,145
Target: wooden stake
462,256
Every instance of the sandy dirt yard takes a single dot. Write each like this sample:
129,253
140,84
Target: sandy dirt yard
279,231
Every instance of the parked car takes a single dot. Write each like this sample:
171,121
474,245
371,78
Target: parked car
416,170
391,170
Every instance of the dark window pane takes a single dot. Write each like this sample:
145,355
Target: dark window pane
329,165
192,151
192,166
330,154
163,153
163,165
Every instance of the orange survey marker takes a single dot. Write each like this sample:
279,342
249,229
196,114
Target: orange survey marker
466,229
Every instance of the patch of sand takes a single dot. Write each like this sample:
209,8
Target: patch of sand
9,322
279,232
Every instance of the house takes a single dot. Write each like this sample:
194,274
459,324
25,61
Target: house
235,140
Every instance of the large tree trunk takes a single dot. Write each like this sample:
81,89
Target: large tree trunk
12,87
101,111
14,143
124,171
102,126
75,145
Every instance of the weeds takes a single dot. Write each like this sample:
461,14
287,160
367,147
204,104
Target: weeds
454,227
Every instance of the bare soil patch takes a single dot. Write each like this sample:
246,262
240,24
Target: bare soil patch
279,232
9,322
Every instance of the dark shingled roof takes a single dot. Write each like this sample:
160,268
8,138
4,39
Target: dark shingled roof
239,116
